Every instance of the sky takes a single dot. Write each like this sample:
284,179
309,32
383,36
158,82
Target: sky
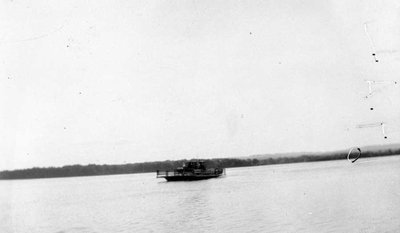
111,82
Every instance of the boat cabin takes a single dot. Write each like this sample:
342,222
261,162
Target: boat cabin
192,170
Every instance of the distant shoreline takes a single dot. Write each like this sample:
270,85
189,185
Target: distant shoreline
145,167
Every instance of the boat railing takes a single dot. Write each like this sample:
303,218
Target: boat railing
218,171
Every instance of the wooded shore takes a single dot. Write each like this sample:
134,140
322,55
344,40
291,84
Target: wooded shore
94,169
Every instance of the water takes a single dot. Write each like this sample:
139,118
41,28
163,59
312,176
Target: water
333,196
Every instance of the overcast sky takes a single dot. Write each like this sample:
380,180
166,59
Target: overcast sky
130,81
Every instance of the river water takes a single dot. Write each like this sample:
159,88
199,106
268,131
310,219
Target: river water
333,196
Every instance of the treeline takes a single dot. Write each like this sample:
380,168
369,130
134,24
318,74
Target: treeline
93,169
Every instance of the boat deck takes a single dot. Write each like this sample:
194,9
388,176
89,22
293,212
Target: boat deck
185,176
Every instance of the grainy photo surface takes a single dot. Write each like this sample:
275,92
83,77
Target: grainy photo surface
199,116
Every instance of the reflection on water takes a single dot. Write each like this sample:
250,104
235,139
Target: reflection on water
334,196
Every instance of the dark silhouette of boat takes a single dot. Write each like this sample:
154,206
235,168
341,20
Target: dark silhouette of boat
193,170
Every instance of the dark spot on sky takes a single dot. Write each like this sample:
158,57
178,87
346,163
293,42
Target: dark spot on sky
371,108
251,33
67,46
65,127
80,93
385,137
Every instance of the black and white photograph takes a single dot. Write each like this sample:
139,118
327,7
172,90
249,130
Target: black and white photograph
270,116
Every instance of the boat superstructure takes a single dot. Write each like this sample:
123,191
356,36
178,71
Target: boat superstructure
193,170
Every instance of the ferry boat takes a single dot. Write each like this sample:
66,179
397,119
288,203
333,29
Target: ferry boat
193,170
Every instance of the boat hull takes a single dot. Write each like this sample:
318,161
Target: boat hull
190,178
